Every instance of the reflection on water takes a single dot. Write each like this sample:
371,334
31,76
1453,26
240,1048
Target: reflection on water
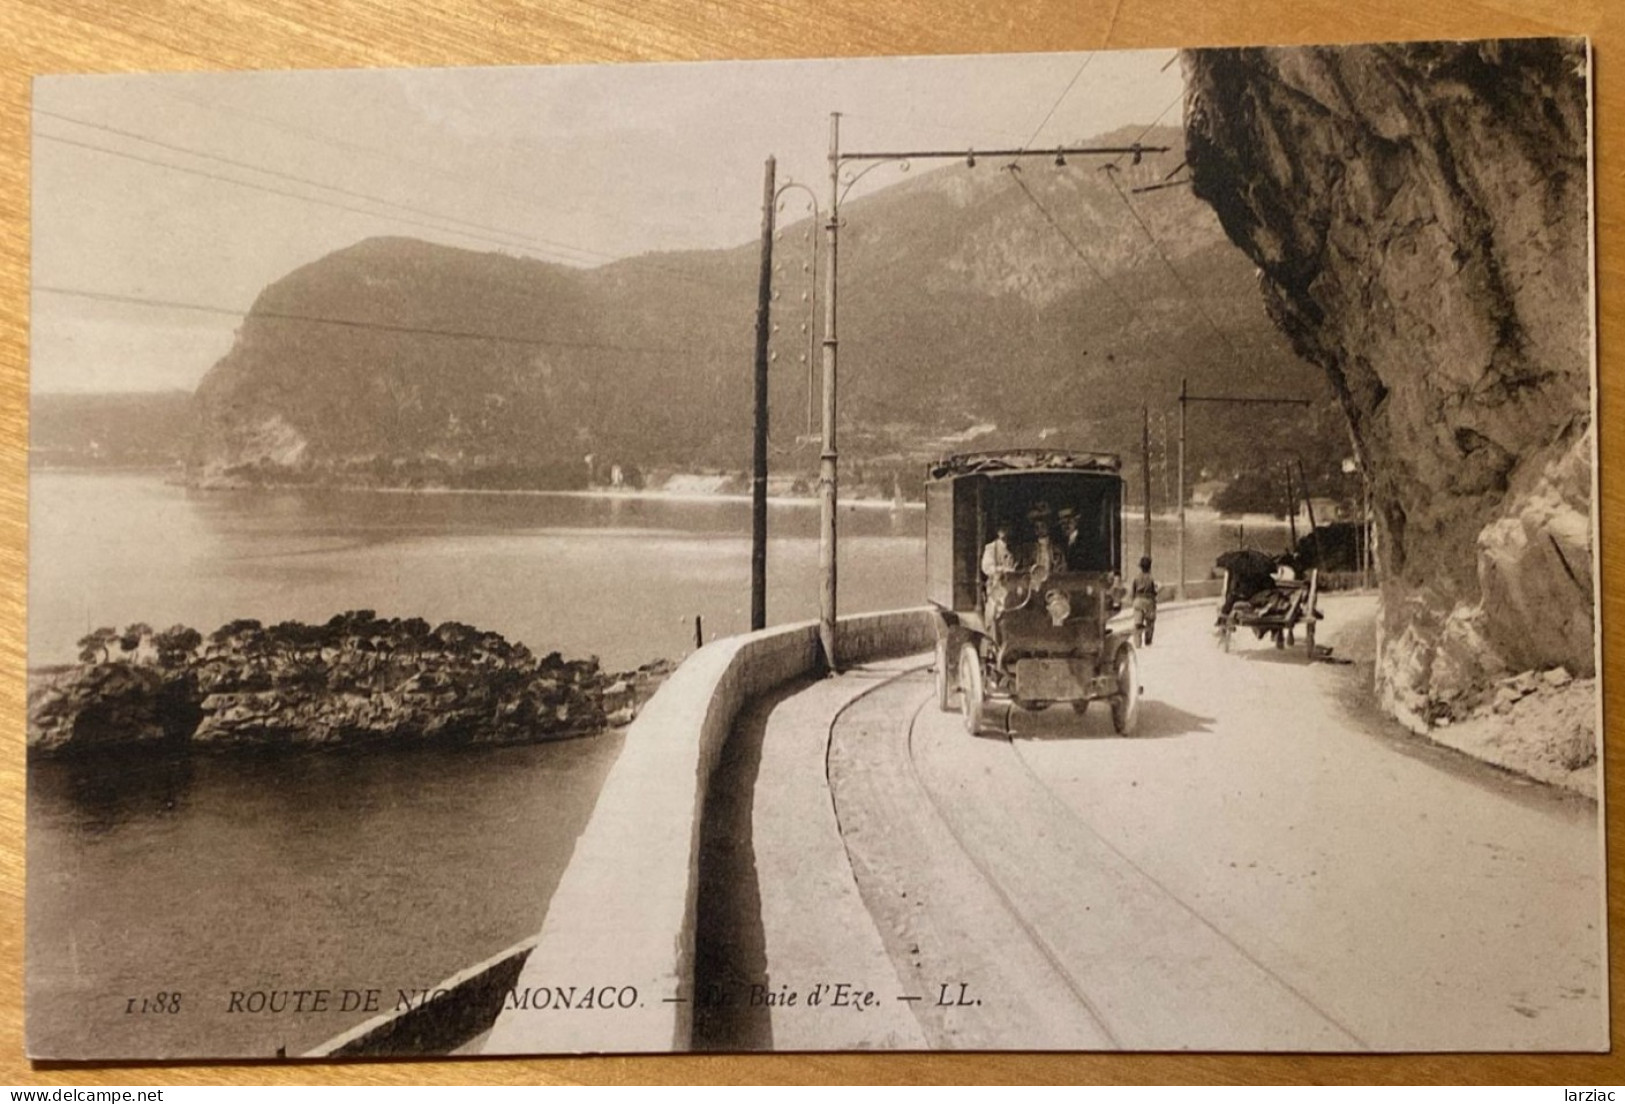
614,576
618,577
210,874
100,797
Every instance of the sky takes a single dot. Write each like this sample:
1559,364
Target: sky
163,204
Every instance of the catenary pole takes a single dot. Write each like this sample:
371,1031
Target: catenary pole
827,454
827,468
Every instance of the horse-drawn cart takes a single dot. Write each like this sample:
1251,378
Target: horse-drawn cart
1277,611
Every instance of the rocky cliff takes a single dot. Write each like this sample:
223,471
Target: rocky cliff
1419,217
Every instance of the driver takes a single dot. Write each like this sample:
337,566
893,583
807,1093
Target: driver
1074,549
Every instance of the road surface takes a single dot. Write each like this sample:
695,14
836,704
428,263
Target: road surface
1265,865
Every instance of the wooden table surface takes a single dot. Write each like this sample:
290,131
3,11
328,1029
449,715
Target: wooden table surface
85,36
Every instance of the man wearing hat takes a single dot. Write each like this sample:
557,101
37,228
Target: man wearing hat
1073,550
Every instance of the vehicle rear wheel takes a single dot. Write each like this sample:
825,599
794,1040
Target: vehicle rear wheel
1126,705
944,685
970,687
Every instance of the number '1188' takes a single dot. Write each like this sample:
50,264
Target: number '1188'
158,1002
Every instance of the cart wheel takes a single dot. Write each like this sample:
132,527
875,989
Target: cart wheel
1126,705
970,688
944,687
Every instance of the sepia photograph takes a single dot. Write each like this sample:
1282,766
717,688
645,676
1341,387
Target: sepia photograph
1041,552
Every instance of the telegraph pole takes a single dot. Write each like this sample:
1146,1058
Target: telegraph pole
758,483
1145,463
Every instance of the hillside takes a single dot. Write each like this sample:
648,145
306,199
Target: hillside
963,303
133,430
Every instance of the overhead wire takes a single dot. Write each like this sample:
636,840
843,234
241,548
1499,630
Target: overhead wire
172,167
1100,278
1153,124
363,324
418,166
294,178
537,247
1190,294
1054,107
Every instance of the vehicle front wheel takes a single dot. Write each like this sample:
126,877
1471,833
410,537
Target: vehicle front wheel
970,688
1126,705
944,684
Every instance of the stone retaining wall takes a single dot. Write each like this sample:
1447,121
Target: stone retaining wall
622,917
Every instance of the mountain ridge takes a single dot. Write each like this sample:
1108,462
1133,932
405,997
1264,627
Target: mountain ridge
1043,300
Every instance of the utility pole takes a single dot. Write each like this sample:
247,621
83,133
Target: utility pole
1145,463
1292,505
1308,503
758,482
1185,398
827,457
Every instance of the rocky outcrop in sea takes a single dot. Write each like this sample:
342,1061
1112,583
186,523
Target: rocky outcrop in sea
357,680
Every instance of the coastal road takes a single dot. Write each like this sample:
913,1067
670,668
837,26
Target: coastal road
1265,865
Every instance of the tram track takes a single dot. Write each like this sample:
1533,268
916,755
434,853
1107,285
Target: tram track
1070,813
1006,882
1033,934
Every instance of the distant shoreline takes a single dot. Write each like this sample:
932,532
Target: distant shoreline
607,493
1132,514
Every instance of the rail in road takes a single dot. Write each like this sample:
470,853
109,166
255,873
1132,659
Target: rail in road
1243,875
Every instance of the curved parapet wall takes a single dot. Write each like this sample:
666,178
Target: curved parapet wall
623,915
612,969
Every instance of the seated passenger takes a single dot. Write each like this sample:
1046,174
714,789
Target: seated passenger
998,564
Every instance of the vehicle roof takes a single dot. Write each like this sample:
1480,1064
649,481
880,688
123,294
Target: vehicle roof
1013,461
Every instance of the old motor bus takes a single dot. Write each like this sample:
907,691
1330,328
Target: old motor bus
1024,568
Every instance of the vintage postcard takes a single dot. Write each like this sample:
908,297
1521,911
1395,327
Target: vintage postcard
1041,552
